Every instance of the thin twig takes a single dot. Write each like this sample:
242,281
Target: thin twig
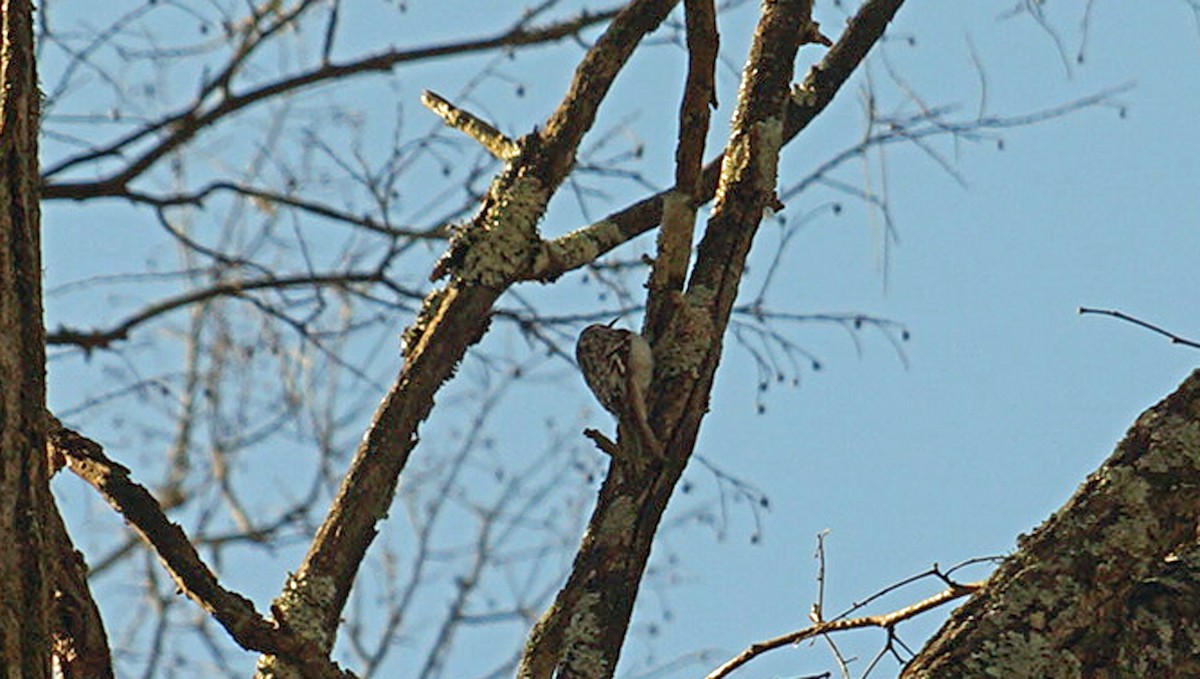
885,621
1175,339
103,339
176,129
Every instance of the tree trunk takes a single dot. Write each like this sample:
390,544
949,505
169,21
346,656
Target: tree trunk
24,490
1107,587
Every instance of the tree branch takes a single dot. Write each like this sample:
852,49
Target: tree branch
823,81
471,125
1119,315
1101,582
886,621
266,199
178,128
101,339
679,207
86,459
484,259
581,634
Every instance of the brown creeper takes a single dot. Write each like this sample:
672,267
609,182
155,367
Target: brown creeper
617,366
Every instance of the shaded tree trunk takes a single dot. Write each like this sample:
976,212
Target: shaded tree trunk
24,489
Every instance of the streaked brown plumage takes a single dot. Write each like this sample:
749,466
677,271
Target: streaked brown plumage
617,366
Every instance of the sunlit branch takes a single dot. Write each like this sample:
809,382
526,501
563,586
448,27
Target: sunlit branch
471,125
823,81
674,245
452,319
886,621
237,615
581,633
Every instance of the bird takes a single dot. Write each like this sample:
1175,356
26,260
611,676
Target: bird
617,366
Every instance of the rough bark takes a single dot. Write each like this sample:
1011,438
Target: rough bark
24,491
1106,587
80,642
497,249
581,634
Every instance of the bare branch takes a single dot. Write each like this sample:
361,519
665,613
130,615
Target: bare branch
236,613
102,339
679,208
823,81
485,258
178,128
582,633
886,621
1175,339
264,198
471,125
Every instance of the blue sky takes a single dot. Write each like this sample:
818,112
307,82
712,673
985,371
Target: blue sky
1009,397
1004,398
